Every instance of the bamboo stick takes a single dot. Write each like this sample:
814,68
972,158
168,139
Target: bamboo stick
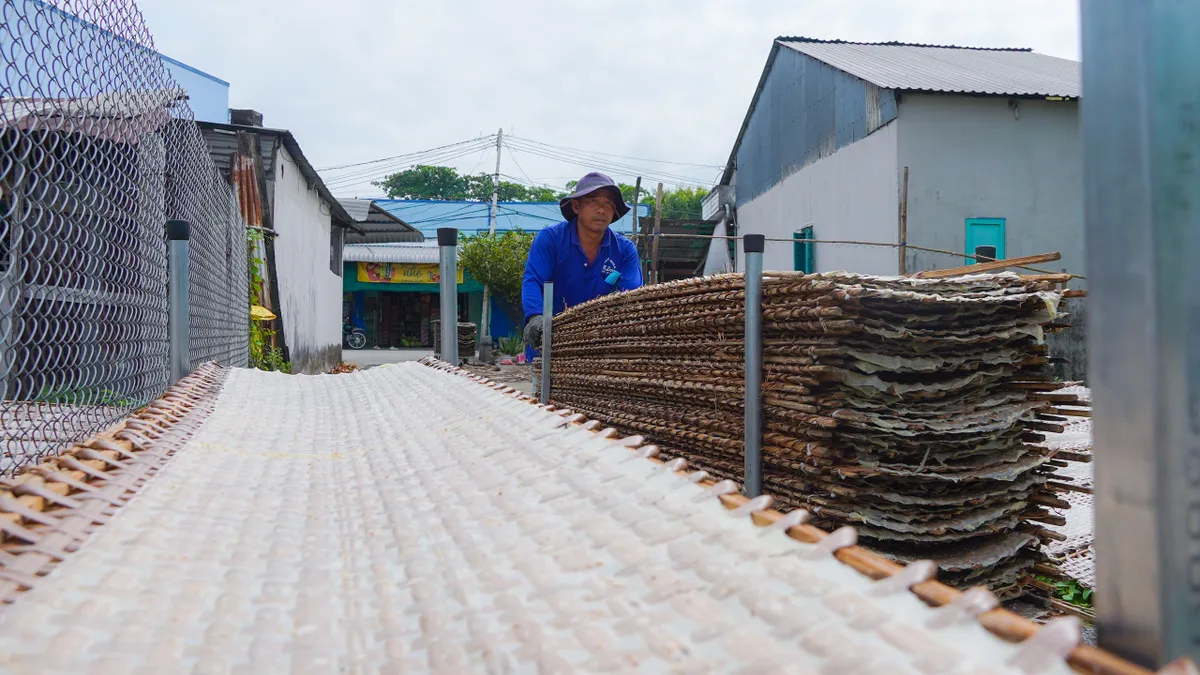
981,267
1067,487
1071,412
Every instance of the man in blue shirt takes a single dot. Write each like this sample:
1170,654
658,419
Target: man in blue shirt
581,255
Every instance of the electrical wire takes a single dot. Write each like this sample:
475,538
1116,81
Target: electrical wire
593,158
532,182
609,154
489,139
357,178
596,163
415,159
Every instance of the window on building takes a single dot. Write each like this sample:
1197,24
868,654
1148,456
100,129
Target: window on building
984,237
336,240
802,250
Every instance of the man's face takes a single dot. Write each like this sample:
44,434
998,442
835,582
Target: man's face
595,211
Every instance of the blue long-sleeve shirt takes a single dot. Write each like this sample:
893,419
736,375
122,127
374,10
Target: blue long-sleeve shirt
557,256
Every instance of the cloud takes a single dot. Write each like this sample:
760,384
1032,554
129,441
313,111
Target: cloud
361,79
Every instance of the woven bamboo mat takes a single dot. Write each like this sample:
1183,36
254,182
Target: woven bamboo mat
414,519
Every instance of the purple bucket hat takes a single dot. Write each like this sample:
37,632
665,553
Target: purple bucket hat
589,184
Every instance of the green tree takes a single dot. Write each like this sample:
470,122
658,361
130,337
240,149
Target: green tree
497,260
683,203
544,194
444,183
425,182
679,203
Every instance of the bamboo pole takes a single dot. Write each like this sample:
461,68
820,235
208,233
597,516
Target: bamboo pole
851,242
904,224
658,197
989,266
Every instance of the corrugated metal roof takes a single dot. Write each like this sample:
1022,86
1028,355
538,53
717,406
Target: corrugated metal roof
213,132
357,208
408,252
472,217
378,225
910,67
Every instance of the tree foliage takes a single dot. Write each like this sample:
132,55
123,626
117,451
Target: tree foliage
680,203
497,260
444,183
683,203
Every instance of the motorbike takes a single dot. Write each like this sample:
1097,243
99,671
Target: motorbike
353,336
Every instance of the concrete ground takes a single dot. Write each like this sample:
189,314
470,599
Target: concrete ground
369,358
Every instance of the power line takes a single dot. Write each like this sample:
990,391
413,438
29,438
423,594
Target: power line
386,168
366,176
609,154
532,182
595,163
592,158
608,165
489,139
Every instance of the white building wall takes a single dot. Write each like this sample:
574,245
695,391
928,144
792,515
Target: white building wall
852,194
310,295
987,157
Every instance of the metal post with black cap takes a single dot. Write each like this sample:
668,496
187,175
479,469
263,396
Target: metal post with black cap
1140,138
448,272
753,245
547,324
178,299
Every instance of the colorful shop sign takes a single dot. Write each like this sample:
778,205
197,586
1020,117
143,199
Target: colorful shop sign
401,273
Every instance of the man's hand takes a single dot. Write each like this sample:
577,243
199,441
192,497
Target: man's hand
533,331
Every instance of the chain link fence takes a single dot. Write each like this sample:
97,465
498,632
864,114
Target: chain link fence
98,149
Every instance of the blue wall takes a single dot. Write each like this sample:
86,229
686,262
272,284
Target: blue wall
805,110
472,217
208,96
61,55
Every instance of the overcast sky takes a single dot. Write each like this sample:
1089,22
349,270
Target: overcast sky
357,80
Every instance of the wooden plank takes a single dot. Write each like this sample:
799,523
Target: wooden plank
1067,487
979,268
1072,412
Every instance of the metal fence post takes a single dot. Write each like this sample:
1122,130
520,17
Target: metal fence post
448,241
178,298
1141,138
753,245
547,321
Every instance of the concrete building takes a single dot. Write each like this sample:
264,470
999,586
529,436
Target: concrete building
989,139
390,292
305,226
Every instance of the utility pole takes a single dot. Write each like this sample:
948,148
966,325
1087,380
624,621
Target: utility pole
496,182
485,316
641,242
657,232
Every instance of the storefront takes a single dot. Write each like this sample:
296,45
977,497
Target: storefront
392,294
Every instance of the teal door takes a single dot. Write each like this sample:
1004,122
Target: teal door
984,232
802,250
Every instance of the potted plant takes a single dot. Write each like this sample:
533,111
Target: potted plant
511,347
